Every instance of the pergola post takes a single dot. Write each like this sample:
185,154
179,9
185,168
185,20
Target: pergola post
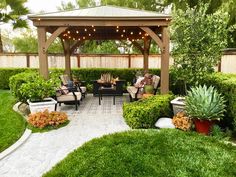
145,55
43,59
67,58
165,61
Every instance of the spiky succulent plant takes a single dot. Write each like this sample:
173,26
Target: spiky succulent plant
204,103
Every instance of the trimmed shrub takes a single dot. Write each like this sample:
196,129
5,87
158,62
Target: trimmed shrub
6,73
145,112
85,74
16,81
226,85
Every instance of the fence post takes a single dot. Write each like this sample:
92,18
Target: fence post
27,60
129,61
78,61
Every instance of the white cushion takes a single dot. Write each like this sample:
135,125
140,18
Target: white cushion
69,97
132,91
164,122
83,89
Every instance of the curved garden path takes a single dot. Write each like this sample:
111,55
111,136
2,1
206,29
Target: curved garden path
43,150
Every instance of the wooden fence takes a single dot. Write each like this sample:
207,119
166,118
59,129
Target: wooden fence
22,60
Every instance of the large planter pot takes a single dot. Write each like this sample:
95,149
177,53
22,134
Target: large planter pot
178,104
203,126
47,103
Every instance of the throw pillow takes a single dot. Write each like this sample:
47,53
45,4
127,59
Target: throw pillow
64,90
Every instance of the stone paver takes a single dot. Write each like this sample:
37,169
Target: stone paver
43,150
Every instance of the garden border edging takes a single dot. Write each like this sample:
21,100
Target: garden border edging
20,141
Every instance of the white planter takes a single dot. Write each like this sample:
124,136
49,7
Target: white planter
178,104
48,103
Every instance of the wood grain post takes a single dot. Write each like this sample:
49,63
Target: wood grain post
78,61
129,61
165,61
67,58
43,59
145,56
27,60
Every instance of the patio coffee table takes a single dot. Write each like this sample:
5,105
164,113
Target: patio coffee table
102,90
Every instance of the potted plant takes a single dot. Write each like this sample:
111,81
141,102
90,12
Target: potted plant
38,94
205,106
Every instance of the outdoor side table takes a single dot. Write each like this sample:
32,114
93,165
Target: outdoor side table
102,90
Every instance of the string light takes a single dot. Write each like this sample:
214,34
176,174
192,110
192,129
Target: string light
73,38
142,37
122,35
79,39
84,37
85,29
77,32
92,26
117,30
68,32
140,33
131,33
89,34
133,40
94,29
123,30
117,26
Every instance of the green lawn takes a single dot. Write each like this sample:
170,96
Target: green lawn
12,124
148,153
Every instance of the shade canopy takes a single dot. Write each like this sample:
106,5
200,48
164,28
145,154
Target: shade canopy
104,23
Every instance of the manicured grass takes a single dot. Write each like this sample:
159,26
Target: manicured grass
149,153
12,124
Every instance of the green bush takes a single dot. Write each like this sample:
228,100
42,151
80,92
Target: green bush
85,74
37,90
16,81
30,85
226,85
145,112
6,73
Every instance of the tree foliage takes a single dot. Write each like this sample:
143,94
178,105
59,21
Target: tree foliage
198,39
28,43
99,47
11,11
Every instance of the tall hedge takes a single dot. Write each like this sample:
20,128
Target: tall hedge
6,73
145,112
226,85
86,74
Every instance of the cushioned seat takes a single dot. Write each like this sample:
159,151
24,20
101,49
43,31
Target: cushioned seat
71,97
136,91
65,80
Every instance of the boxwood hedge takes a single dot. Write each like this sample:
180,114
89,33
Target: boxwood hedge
226,85
145,112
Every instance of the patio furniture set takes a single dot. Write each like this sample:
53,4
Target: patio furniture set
72,92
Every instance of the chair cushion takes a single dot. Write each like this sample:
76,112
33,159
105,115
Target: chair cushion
155,81
83,89
69,97
133,90
64,90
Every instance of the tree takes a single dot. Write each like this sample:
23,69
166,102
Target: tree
213,5
198,39
66,6
99,47
11,11
28,43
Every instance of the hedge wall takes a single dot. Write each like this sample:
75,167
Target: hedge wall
145,112
225,84
6,73
86,74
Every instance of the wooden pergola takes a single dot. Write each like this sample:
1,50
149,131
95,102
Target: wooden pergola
104,23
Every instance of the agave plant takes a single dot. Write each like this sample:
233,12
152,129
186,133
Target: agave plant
204,103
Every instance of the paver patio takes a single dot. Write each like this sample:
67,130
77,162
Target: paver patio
43,150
